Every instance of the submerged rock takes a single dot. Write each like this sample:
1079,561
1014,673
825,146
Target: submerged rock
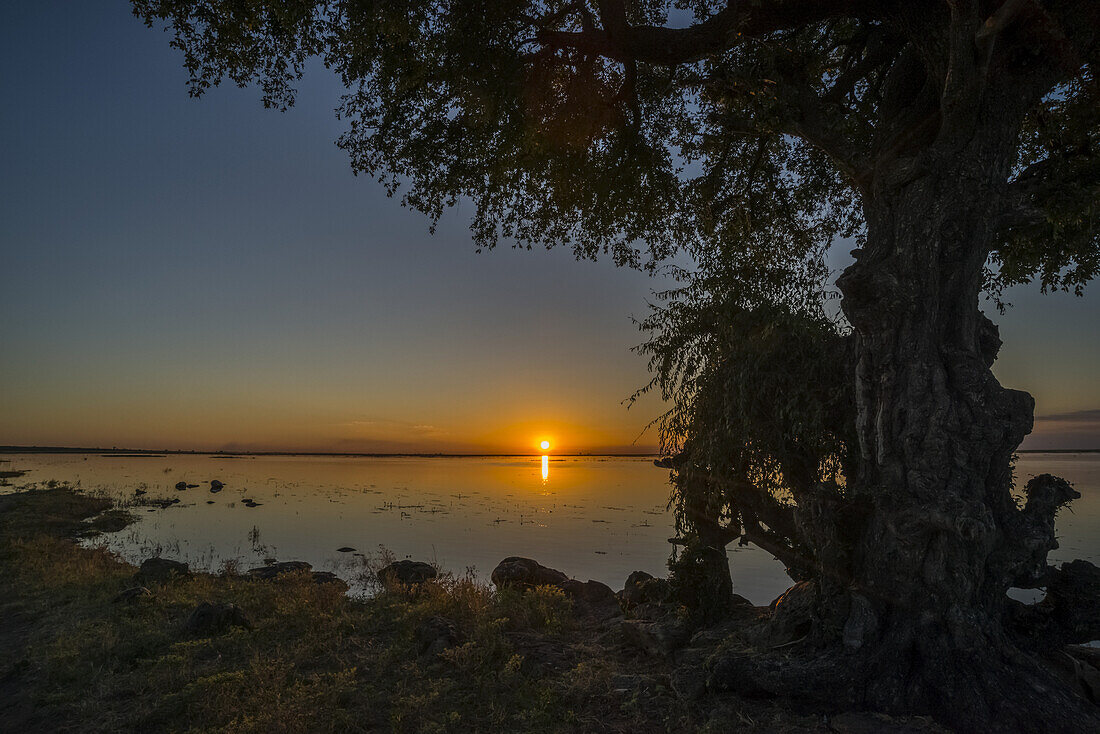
407,572
161,571
209,618
525,573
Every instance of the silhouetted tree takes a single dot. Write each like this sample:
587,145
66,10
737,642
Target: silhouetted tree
954,140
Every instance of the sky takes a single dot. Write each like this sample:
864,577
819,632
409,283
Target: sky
207,274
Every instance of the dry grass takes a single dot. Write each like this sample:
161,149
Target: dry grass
316,660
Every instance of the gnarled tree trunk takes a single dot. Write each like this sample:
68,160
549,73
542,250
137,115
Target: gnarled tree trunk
941,543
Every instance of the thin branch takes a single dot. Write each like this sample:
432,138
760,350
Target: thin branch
722,31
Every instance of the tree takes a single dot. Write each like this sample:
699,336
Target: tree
954,140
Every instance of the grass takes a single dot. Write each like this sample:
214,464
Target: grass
316,660
74,659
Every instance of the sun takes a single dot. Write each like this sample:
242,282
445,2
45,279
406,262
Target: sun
544,445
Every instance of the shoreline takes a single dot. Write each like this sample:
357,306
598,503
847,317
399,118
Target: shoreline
95,644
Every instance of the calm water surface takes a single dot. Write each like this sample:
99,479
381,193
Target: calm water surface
591,517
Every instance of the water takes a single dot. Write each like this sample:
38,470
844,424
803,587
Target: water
591,517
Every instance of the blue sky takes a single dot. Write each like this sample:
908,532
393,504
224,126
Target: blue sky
208,274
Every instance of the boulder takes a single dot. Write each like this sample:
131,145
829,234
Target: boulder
792,613
328,577
274,570
181,486
160,571
593,599
216,486
436,634
525,573
642,588
407,572
212,618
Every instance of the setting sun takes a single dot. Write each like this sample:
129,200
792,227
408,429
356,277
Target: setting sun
544,445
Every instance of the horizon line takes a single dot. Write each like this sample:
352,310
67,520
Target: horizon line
225,452
13,449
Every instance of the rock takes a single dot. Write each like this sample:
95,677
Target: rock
211,618
181,486
792,613
436,634
132,594
216,486
110,521
139,491
328,577
251,503
345,549
524,573
407,572
210,502
660,638
642,588
274,570
593,599
160,571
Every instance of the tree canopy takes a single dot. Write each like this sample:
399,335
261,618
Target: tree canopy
606,127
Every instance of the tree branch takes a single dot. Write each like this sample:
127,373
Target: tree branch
722,31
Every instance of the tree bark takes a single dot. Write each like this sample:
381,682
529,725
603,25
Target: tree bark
937,433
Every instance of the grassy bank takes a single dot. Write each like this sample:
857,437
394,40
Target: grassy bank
314,660
77,658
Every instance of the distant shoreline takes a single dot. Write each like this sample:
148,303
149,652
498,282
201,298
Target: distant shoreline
152,453
114,452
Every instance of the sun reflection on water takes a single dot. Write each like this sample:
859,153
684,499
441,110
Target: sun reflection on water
545,468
